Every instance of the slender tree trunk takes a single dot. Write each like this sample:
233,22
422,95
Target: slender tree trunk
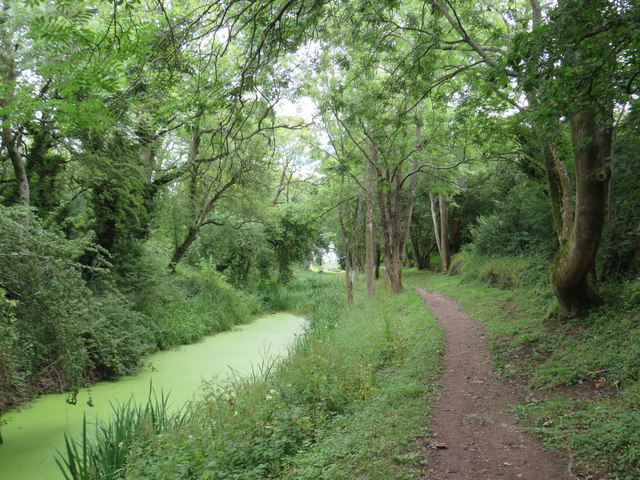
10,139
440,236
351,244
369,218
182,248
436,223
9,142
391,219
444,232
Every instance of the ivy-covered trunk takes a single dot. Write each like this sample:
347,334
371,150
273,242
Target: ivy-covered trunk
571,276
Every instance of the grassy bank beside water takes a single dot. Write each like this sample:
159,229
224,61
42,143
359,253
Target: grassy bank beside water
584,375
349,402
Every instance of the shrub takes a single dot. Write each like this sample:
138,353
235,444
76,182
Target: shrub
182,308
502,272
59,332
520,225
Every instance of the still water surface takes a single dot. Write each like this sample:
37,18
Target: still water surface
33,434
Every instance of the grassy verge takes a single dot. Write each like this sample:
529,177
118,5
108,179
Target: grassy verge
584,374
397,346
349,402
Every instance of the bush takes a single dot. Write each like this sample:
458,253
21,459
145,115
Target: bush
520,225
184,307
502,272
58,333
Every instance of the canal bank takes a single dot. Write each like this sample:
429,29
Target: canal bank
32,435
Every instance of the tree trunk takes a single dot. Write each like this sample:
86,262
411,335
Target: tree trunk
444,232
396,201
440,229
11,140
422,248
18,166
351,244
182,248
570,276
369,228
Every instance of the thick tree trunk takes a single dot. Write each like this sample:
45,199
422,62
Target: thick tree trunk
570,276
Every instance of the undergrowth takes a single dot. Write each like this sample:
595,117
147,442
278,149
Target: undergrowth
183,307
584,374
348,402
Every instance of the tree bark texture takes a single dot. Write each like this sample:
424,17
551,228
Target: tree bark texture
440,217
579,227
350,236
11,139
570,276
444,231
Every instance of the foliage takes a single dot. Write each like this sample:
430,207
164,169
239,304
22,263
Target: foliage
182,308
501,271
103,457
288,421
370,442
618,257
290,232
62,331
12,382
519,222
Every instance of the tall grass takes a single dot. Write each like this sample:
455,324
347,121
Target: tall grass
101,451
276,420
184,307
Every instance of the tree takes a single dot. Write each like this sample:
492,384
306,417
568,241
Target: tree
568,72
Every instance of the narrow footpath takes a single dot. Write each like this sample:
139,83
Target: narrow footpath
475,436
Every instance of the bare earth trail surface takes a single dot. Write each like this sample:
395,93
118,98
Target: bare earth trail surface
475,436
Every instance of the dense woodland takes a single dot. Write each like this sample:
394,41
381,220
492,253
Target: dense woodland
163,159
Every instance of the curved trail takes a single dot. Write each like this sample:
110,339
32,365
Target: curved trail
474,435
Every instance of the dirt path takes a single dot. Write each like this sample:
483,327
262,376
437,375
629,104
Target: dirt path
475,436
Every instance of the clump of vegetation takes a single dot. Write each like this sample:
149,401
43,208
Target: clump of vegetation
64,324
56,331
101,452
300,418
502,271
184,306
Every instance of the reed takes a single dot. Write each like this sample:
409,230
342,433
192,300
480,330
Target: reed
100,453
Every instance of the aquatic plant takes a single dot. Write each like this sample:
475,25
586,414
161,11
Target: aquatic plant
101,454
